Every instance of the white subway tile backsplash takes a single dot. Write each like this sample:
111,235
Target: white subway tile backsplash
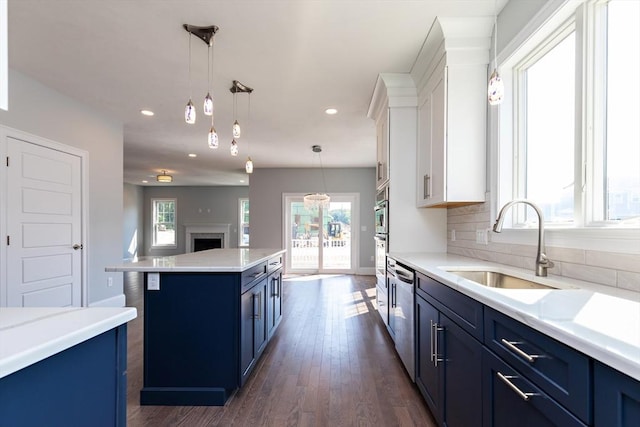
603,276
616,261
605,268
627,280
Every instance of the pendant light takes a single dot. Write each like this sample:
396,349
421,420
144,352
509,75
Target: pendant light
236,131
207,106
206,35
495,90
315,200
190,110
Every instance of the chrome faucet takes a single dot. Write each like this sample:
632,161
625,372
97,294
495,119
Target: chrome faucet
542,262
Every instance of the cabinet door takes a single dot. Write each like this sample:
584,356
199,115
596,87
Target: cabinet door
428,373
382,298
437,178
462,374
616,399
246,334
274,301
511,400
432,141
259,316
382,148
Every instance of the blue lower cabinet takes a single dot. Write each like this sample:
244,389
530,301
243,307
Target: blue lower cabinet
511,400
616,398
85,385
204,332
448,368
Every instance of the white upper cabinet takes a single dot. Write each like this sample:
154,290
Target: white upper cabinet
451,76
382,148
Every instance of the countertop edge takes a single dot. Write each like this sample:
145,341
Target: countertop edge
141,266
112,318
552,328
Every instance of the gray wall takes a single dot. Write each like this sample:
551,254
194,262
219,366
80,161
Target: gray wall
196,205
133,221
39,110
268,185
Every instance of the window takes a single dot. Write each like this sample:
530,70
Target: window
164,223
243,221
575,104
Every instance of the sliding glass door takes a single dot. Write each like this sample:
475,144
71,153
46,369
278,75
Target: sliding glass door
320,240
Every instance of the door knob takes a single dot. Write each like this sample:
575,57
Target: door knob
77,246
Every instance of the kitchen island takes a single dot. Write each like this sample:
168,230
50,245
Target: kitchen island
63,366
208,316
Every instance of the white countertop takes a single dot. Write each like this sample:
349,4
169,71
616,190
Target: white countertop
29,335
212,260
600,321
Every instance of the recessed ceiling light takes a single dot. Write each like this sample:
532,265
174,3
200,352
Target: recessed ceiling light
144,181
331,111
192,155
147,113
242,180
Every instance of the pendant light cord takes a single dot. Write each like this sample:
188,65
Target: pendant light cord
495,35
190,91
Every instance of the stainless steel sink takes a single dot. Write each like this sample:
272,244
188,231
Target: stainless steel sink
494,279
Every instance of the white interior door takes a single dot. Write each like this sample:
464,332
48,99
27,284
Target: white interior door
44,226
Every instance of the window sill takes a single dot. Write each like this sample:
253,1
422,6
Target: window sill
604,239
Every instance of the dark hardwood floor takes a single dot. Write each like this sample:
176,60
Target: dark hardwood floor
331,363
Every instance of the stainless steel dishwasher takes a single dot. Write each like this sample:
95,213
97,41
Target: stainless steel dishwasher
401,305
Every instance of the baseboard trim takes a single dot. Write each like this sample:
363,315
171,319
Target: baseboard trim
116,301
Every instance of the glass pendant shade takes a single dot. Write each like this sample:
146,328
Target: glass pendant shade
495,91
315,200
234,148
208,105
249,165
213,138
236,129
190,113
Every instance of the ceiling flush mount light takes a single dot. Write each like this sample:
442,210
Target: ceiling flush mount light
164,177
315,200
495,91
147,113
331,111
206,35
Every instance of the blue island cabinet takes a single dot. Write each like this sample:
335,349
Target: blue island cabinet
84,385
204,332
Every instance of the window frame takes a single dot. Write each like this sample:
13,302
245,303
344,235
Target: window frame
587,232
154,245
241,222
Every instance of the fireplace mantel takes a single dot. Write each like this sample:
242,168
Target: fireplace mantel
206,228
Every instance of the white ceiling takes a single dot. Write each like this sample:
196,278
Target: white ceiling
300,56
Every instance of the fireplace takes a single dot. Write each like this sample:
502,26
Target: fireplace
200,237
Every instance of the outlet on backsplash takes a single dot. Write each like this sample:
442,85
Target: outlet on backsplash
482,236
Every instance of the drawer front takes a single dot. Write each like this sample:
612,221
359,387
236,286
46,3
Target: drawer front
274,263
511,400
560,371
252,275
465,311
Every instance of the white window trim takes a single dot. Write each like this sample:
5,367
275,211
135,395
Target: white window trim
240,245
597,236
175,219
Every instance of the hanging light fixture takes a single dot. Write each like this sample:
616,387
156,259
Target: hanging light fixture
495,91
315,200
236,88
212,138
207,106
164,177
190,110
206,35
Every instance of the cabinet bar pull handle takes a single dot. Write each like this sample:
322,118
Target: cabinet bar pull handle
506,379
431,335
436,352
511,345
